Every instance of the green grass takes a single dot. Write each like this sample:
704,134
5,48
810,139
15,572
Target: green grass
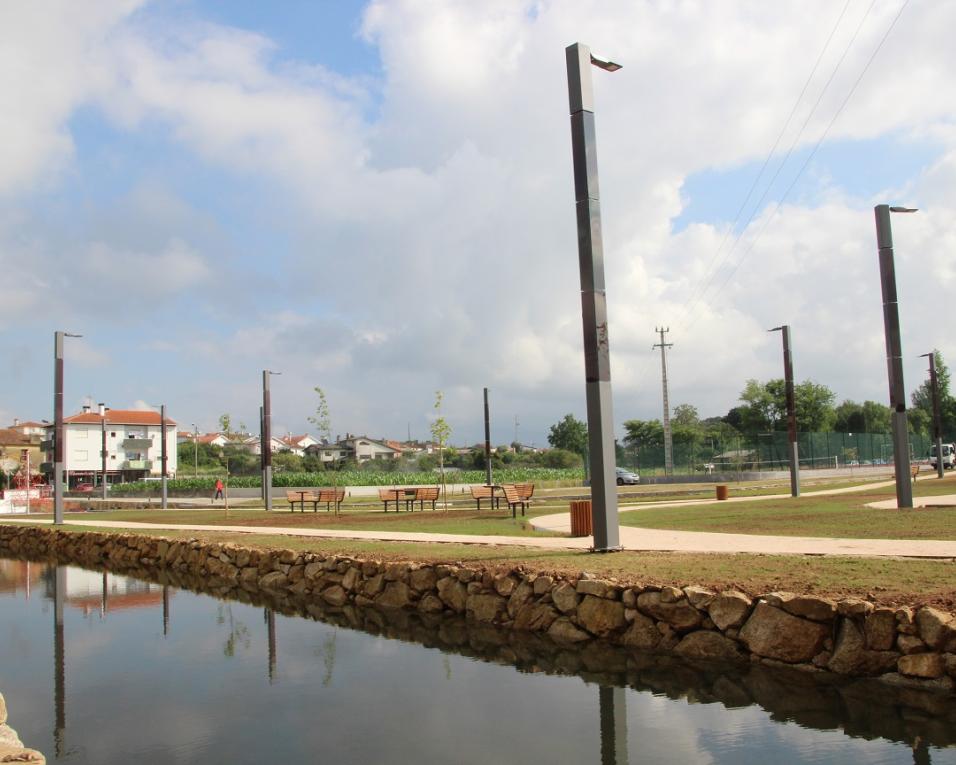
888,581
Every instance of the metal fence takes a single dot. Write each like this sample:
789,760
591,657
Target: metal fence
768,451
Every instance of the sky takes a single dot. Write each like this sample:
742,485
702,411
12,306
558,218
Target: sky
376,198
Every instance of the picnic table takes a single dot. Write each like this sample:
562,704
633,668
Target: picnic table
410,495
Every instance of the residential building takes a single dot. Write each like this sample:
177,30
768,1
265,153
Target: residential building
364,448
133,445
297,444
30,428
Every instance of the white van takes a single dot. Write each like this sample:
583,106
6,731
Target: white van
949,455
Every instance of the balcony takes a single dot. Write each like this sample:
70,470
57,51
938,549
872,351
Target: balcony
136,465
135,444
46,445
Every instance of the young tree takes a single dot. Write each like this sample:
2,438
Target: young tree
323,427
441,431
570,434
922,398
225,424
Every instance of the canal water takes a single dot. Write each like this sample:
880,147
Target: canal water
100,668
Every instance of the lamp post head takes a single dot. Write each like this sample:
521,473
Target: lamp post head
605,64
904,209
776,329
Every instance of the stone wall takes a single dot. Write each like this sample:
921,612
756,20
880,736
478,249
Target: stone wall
11,747
908,647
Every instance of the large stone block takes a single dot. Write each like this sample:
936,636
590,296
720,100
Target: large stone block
680,614
926,665
486,608
704,644
880,629
775,634
729,609
642,634
565,597
563,631
936,628
395,595
600,616
804,606
535,617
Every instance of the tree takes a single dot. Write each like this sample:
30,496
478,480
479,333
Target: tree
642,433
765,407
323,427
570,434
441,431
685,425
868,417
814,405
922,399
225,424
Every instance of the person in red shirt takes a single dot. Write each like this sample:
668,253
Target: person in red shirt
218,489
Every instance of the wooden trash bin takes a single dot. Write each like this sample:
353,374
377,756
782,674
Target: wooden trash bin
581,518
721,491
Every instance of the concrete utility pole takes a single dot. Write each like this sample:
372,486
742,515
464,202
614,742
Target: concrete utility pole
791,410
668,438
103,450
894,353
58,443
487,442
937,418
262,454
597,362
267,436
162,455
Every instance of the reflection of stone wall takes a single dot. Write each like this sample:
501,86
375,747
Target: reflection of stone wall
11,747
911,648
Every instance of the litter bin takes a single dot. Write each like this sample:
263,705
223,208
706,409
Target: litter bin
721,491
581,518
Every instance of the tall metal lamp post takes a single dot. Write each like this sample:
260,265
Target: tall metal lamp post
58,445
103,450
163,456
195,449
937,419
792,449
597,367
894,352
267,437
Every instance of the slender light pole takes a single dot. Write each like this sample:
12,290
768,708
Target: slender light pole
162,455
668,437
195,449
103,450
487,442
597,364
894,352
937,419
267,437
792,449
58,444
262,456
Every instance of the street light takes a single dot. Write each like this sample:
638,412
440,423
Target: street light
58,424
937,419
267,437
597,367
784,329
894,352
162,455
195,449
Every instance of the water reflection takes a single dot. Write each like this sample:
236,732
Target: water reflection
861,709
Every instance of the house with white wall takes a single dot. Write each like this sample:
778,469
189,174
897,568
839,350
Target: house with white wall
133,445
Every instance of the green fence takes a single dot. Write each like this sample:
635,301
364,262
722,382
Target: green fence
768,451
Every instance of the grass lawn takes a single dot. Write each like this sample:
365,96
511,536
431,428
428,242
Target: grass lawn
841,515
888,581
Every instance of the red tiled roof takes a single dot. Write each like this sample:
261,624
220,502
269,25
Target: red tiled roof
118,417
11,437
30,424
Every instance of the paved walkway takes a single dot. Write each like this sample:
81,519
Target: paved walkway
632,538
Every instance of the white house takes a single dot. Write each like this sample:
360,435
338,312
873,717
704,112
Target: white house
298,444
133,445
365,449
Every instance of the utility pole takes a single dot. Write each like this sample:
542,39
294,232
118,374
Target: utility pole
162,454
597,359
668,438
267,436
516,433
103,451
262,454
791,409
937,419
487,442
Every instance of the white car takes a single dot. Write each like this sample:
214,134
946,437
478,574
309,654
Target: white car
626,477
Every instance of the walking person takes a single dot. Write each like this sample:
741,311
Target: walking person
218,490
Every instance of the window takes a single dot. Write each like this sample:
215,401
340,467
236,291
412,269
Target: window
113,434
112,456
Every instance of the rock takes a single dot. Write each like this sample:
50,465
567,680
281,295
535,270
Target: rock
313,570
474,588
423,579
925,665
698,597
351,579
542,584
629,598
274,580
905,622
3,710
908,644
850,656
335,595
535,617
880,629
670,595
804,606
854,607
565,598
775,634
703,644
396,572
940,684
563,631
729,609
431,604
522,594
395,595
936,628
680,614
600,616
949,659
9,737
505,585
598,588
642,634
373,586
486,608
19,754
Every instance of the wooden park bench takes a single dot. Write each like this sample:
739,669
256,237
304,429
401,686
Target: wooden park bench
479,493
300,497
329,496
514,498
406,495
525,491
425,494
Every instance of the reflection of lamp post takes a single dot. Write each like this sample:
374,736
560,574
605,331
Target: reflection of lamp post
59,660
58,424
267,437
937,424
894,352
613,711
597,366
791,410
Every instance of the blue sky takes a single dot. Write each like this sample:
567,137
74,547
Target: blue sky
376,198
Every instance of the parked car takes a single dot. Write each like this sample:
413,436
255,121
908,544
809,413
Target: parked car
84,488
626,477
